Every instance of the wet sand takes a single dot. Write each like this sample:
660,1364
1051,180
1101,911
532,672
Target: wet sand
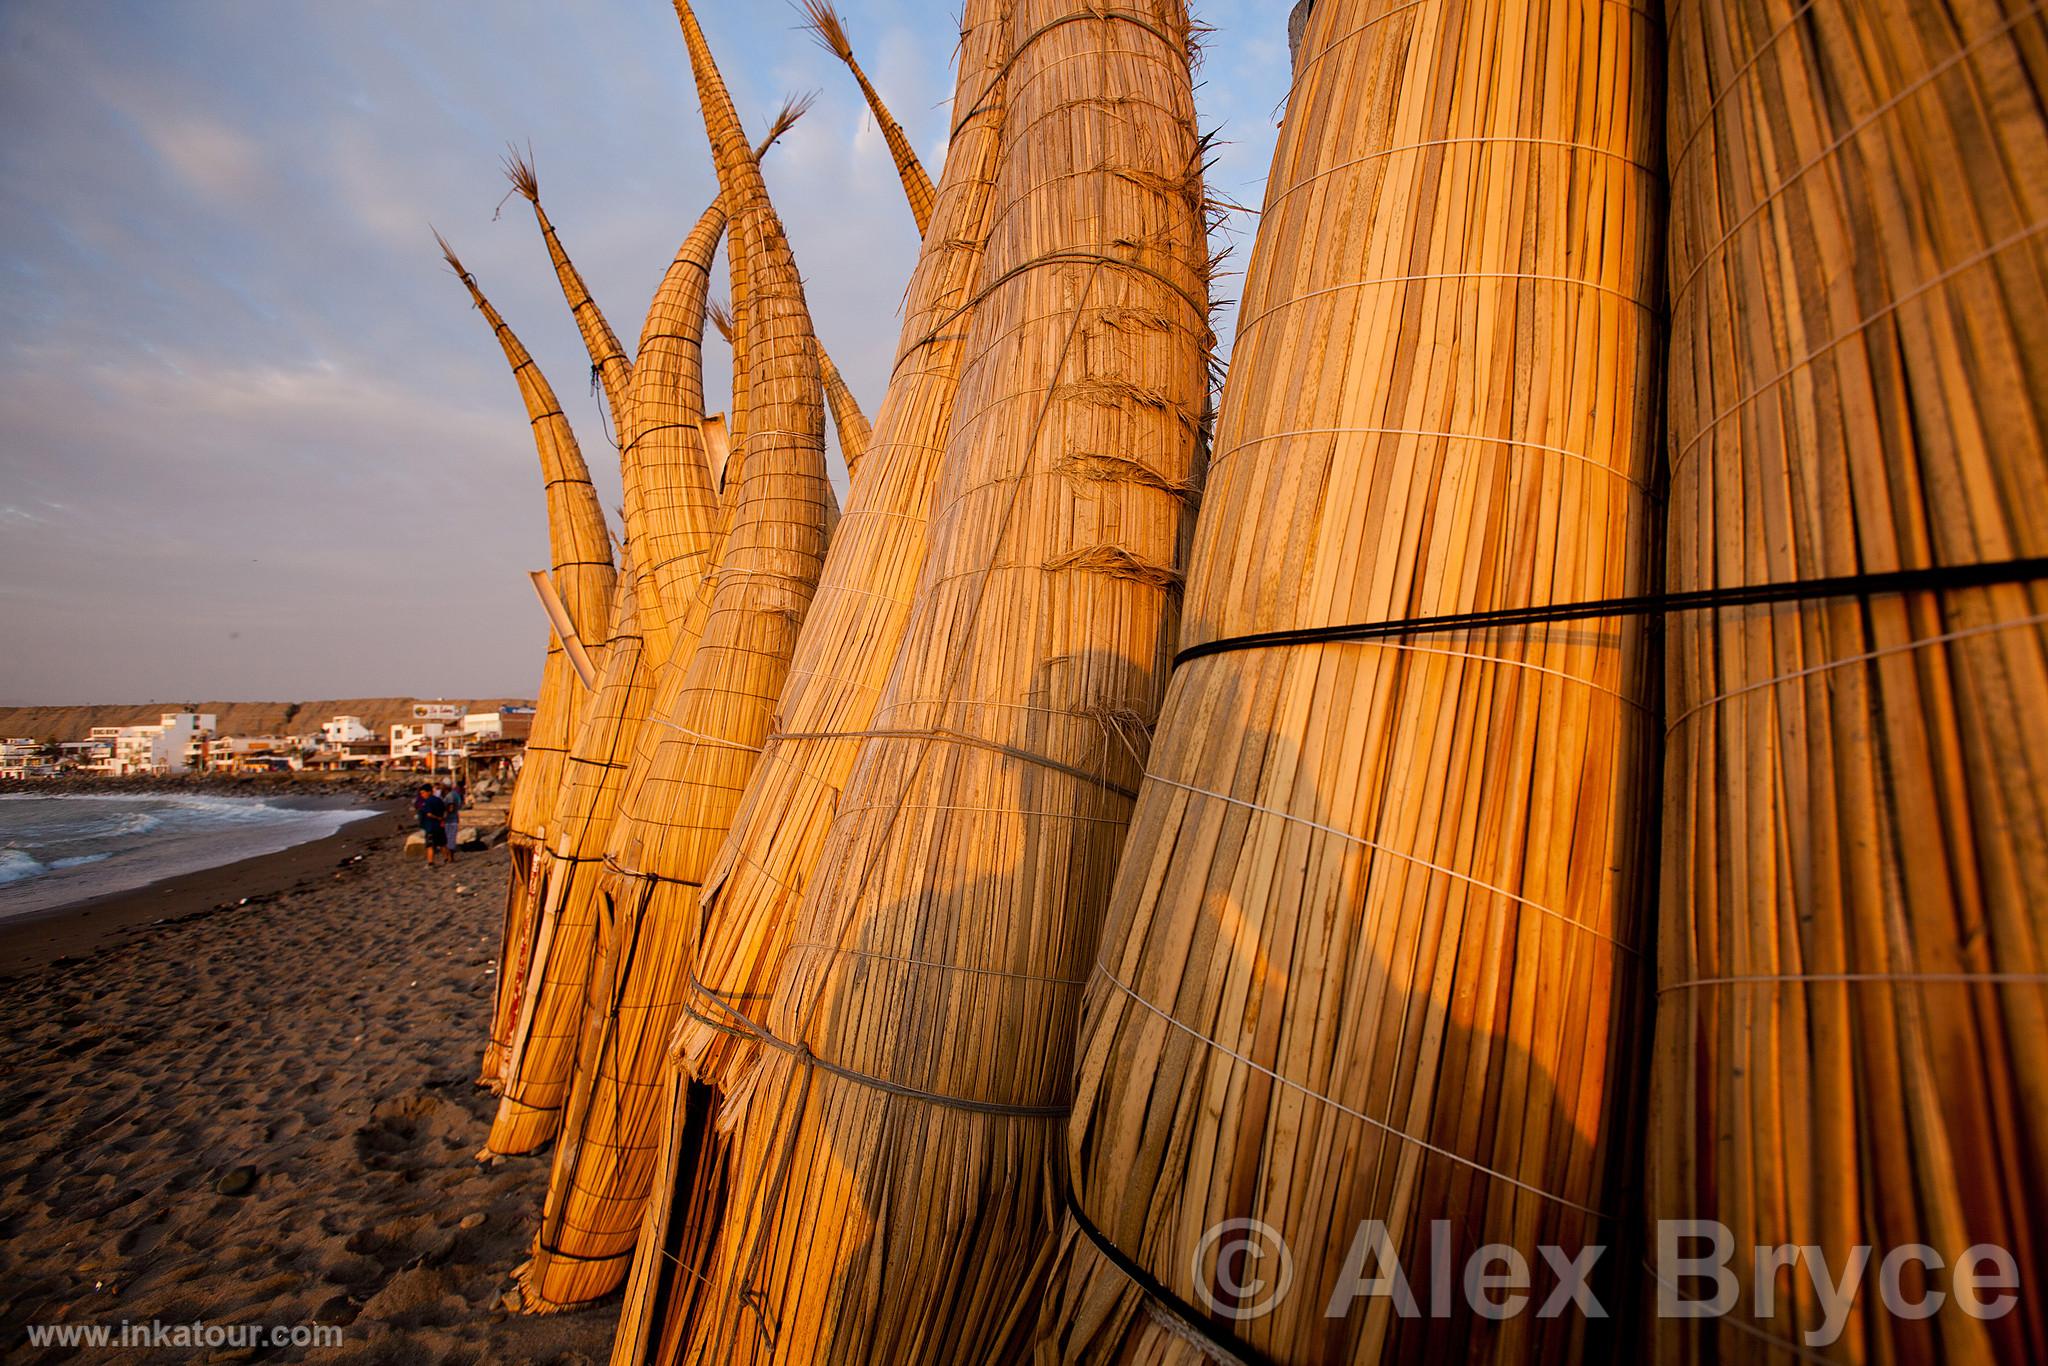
39,937
326,1035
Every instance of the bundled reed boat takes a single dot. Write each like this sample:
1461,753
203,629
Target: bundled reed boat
855,432
545,964
541,1055
729,650
581,569
849,644
671,502
1852,1032
1374,958
890,1175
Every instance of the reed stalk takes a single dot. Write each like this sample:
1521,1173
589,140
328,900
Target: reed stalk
1852,1035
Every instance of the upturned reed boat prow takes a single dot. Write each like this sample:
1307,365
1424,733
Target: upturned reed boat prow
1375,955
1852,1036
894,1161
855,432
704,733
580,556
824,21
608,359
675,520
553,918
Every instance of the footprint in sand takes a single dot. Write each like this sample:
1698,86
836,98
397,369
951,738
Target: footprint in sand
142,1237
409,1131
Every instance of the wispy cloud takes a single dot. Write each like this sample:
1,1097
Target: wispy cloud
255,440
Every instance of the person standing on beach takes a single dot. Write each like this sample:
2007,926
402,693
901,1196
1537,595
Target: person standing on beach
432,812
452,797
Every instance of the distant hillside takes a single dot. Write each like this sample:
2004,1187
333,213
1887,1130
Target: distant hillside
236,718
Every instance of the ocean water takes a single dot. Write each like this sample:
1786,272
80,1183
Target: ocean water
55,850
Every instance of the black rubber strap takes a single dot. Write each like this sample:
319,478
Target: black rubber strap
1932,578
1193,1319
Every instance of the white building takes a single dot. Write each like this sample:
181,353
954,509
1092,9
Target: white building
235,753
344,730
88,754
428,743
18,756
176,742
103,740
483,725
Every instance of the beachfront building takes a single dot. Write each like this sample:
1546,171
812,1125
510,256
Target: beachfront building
18,756
252,753
343,731
89,754
175,742
102,743
483,725
427,744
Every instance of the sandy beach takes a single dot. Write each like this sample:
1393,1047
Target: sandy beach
316,1044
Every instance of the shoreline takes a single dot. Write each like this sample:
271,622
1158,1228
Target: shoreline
80,929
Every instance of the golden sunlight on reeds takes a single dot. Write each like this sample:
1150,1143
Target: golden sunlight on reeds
949,922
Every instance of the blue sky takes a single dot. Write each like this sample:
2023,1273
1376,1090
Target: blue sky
253,441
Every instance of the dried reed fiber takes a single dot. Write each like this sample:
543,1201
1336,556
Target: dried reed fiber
541,1054
736,267
855,434
705,746
680,483
891,1188
613,367
850,640
1852,1040
580,554
824,21
1373,948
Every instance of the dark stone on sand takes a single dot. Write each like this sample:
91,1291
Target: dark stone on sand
238,1181
337,1309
